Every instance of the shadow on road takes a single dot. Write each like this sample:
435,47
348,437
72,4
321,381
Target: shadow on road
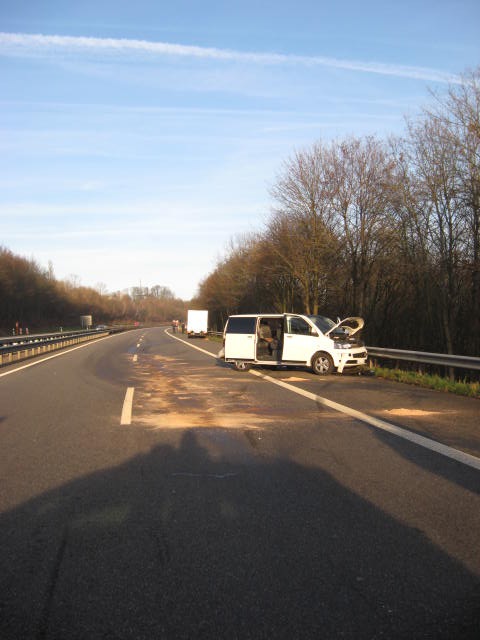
179,544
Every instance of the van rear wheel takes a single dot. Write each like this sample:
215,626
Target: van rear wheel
322,364
241,365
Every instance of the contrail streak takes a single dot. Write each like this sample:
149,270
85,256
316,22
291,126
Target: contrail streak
18,43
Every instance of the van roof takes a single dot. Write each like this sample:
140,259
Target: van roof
257,315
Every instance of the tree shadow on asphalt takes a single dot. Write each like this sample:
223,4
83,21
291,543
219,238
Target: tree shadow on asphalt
177,543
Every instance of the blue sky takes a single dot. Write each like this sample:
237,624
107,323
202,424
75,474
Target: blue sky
138,138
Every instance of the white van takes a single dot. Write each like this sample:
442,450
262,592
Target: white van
293,339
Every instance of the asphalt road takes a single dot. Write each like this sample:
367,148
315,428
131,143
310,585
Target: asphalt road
222,505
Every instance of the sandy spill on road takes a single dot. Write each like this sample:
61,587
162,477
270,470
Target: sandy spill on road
170,394
411,412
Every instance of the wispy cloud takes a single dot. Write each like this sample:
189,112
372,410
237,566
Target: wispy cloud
21,43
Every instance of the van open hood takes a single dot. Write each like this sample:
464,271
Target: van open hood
350,326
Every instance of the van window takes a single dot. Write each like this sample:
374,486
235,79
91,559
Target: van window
323,323
241,325
298,326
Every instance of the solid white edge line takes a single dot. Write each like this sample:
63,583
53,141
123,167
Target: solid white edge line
213,355
449,452
127,407
427,443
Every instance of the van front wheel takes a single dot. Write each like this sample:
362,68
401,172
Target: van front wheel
241,365
322,364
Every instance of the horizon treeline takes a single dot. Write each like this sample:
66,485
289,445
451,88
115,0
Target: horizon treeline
384,229
31,296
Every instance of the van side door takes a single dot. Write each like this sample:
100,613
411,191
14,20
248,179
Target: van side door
240,338
299,339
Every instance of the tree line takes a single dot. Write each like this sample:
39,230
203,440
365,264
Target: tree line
33,298
385,229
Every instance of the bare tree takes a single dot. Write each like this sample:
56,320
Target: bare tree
300,228
158,291
435,165
362,183
102,289
456,118
275,283
412,318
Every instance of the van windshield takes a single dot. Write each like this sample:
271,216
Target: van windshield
322,322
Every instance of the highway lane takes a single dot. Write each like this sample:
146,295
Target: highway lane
446,418
227,507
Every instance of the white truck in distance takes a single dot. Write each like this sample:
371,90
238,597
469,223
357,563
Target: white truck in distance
197,323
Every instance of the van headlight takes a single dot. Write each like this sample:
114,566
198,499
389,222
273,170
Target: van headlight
342,345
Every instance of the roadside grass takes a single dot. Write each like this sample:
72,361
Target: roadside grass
213,338
429,381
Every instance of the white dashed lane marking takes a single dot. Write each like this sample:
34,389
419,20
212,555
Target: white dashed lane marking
127,407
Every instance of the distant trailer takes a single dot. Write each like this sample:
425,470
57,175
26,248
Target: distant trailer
197,323
86,322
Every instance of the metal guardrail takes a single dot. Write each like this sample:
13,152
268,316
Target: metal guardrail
441,359
15,340
15,348
421,357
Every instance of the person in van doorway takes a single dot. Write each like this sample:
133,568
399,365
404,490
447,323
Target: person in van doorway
267,341
276,345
